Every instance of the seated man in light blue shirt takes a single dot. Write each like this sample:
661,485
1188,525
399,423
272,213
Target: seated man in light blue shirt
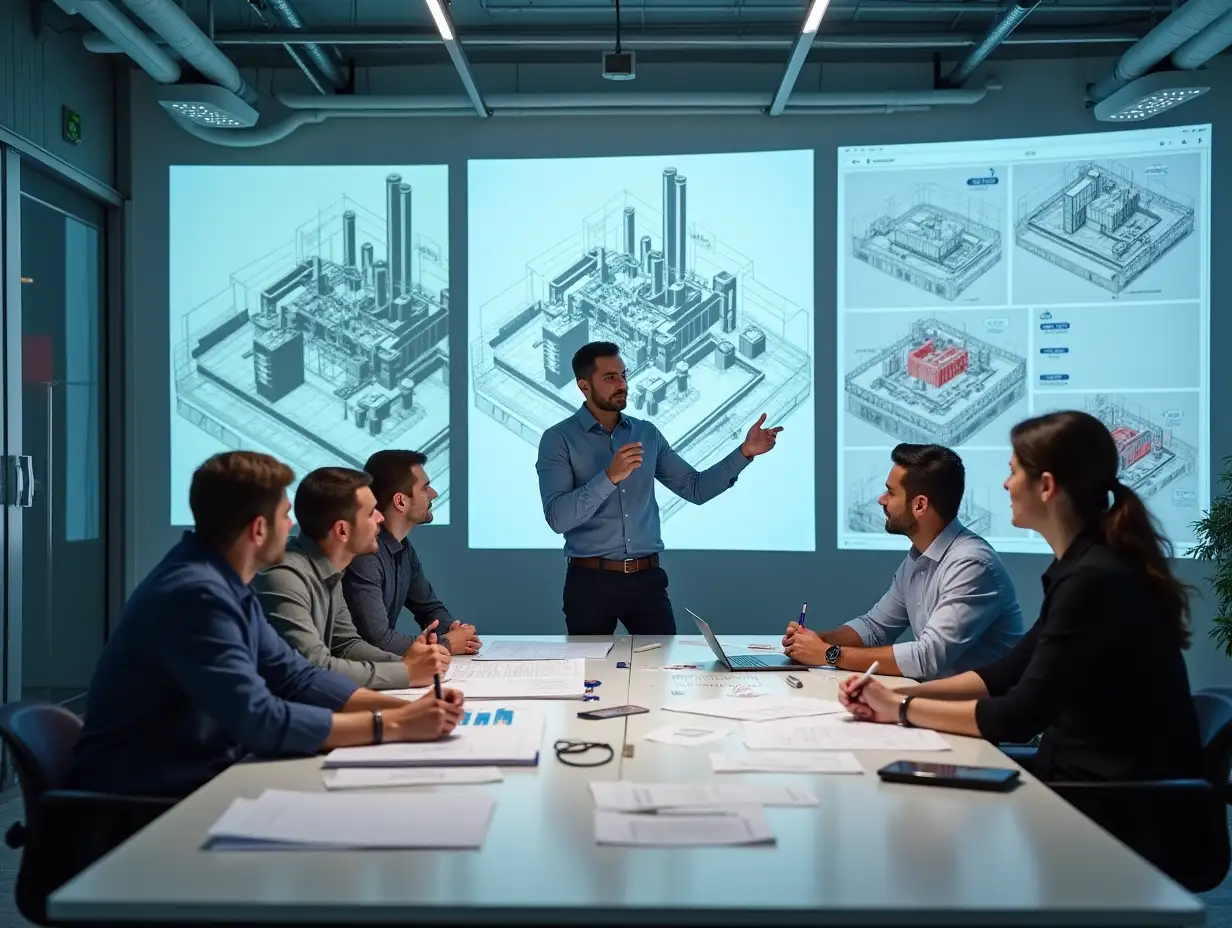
951,590
597,493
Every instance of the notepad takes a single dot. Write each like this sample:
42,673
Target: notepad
626,796
285,819
686,829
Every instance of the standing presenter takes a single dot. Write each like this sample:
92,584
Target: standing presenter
596,478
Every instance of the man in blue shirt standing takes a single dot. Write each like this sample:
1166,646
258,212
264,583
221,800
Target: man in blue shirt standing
597,493
194,678
951,589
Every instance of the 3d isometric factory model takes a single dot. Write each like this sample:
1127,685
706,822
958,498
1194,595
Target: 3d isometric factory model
329,348
707,347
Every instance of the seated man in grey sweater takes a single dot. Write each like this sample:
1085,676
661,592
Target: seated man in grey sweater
302,597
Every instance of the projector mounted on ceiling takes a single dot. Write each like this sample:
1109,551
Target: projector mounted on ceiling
207,105
619,66
1150,95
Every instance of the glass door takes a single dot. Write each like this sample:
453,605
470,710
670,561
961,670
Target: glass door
63,604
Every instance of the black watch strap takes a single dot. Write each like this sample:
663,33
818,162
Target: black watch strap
378,727
833,654
902,712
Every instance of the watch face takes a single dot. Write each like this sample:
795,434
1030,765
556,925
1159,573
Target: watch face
832,654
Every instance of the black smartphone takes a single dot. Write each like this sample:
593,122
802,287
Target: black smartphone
612,712
997,779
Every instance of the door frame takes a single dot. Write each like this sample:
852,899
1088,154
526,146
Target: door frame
11,393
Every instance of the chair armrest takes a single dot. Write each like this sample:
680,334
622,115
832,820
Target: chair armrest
80,798
1129,787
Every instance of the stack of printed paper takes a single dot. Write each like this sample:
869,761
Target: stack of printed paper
515,743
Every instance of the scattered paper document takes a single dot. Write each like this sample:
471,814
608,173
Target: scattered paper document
381,777
713,681
548,679
686,735
712,828
835,733
786,762
286,819
506,745
624,796
758,708
543,650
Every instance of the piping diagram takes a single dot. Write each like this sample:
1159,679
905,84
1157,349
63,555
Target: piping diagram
1096,223
330,347
935,384
1151,457
933,239
707,346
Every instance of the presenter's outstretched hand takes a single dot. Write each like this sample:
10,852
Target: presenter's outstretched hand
626,460
425,719
868,700
759,440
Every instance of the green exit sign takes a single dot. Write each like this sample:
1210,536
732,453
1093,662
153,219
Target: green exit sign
72,126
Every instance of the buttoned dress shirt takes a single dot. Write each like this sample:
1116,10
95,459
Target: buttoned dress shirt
617,521
959,602
192,679
303,599
377,586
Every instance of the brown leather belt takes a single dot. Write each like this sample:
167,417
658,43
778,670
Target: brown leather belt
630,565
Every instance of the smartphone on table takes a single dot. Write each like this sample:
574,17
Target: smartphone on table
996,779
612,712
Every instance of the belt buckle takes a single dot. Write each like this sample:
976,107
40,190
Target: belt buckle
629,561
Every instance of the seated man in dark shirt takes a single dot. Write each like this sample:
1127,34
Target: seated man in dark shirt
193,677
378,585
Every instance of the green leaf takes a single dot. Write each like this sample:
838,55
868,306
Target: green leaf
1214,544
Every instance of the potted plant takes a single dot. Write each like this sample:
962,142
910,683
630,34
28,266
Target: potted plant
1214,536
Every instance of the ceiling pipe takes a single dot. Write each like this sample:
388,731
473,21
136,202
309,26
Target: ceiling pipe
997,34
126,37
193,45
293,52
1156,45
666,40
550,102
1205,45
870,7
326,63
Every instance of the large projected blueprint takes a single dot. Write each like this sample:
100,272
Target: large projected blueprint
683,263
980,283
309,316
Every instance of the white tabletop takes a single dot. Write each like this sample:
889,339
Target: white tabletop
871,854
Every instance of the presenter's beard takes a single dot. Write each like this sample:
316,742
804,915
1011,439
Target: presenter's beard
903,526
615,403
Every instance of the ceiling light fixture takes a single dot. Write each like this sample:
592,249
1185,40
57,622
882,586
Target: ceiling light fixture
1149,96
812,22
207,105
443,25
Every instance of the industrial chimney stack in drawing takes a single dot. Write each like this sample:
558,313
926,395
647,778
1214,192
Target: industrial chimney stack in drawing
674,241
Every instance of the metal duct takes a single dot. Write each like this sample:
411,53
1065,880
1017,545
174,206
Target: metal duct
997,33
1175,30
548,103
182,34
292,51
144,52
326,63
1205,45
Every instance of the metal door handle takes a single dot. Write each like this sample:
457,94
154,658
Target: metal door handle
18,484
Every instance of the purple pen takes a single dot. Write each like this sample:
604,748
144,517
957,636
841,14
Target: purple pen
803,610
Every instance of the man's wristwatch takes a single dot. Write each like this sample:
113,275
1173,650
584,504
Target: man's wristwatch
378,727
902,712
832,655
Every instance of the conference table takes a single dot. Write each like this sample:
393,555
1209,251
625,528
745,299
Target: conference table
870,853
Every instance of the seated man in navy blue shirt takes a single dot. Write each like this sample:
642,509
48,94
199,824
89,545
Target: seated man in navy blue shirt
194,678
599,494
378,585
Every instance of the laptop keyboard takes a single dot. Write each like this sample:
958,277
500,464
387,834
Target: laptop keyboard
746,660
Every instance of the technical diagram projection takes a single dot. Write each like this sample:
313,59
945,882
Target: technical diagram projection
330,346
707,346
1150,457
935,384
932,238
1097,224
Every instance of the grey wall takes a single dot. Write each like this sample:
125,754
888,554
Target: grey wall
519,591
41,73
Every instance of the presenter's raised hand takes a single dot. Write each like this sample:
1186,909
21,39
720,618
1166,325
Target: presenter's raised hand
759,440
626,459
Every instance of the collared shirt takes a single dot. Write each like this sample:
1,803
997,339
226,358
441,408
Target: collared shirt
192,679
959,601
599,518
1077,677
377,586
303,599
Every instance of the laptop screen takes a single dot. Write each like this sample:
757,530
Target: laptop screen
710,637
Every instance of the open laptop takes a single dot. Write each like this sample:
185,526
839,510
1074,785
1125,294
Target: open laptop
742,661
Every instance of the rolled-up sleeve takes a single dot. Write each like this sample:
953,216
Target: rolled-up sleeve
1082,614
205,652
969,601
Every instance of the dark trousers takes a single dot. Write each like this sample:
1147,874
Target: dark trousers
595,599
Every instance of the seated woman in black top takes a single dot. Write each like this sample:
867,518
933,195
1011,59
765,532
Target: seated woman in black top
1100,675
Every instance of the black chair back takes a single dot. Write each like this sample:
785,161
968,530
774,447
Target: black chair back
1214,707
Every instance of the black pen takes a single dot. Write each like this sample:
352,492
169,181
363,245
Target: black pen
436,682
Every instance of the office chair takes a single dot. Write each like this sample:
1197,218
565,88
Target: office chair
64,830
1180,826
